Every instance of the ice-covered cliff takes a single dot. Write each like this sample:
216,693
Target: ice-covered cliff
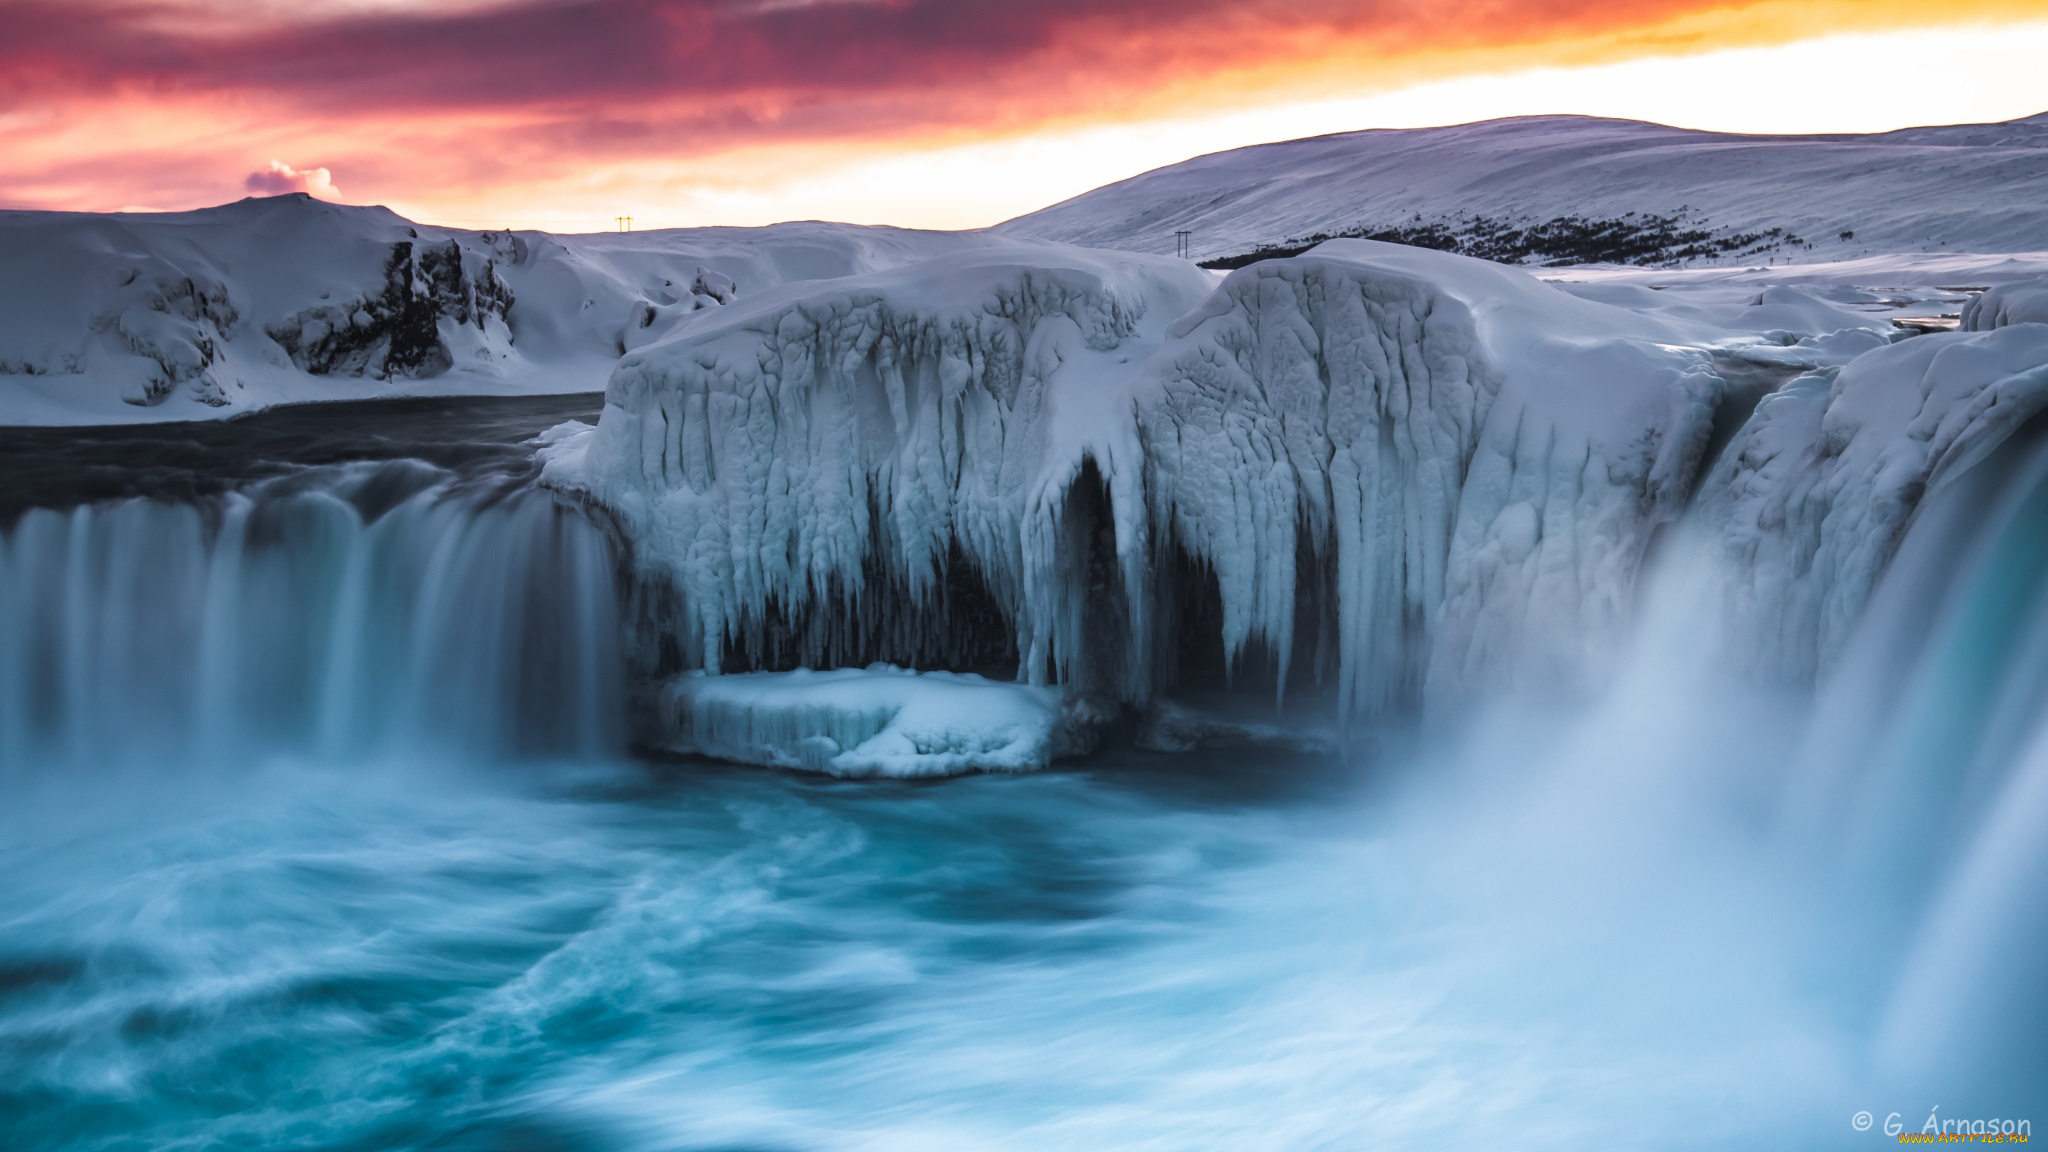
1376,466
1464,464
889,466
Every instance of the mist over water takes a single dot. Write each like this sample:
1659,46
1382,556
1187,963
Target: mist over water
322,834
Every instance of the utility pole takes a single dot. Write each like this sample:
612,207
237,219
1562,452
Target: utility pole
625,223
1183,243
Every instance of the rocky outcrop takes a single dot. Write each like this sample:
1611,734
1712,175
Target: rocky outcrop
397,331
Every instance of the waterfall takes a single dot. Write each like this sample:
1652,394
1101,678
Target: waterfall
1922,791
345,611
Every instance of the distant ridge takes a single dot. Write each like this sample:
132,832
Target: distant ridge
1579,189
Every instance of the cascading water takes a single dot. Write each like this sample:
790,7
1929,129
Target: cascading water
342,612
1922,790
1691,913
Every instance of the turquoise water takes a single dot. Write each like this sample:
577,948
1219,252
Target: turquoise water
1143,953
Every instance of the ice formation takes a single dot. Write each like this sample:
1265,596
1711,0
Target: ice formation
878,721
1480,458
811,469
1476,455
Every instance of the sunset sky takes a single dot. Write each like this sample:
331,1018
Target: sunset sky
563,114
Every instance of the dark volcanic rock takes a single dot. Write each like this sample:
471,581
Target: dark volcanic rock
396,332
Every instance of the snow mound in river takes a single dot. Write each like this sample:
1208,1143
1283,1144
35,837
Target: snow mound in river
878,721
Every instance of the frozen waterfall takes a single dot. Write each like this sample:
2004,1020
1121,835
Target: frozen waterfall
1372,468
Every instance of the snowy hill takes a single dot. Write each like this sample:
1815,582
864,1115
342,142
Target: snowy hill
191,315
1570,190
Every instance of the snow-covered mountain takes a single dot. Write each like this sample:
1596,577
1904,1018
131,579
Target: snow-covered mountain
1572,189
123,318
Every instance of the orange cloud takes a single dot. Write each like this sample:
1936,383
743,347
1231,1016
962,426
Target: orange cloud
281,178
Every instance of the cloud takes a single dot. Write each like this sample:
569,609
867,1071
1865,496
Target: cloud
783,68
280,178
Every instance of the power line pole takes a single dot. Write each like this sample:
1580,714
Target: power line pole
1183,243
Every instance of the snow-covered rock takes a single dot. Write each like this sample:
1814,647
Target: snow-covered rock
877,721
1811,498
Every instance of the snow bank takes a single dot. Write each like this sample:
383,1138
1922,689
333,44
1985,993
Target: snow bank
1811,498
2024,302
878,721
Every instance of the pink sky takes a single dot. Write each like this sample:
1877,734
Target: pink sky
563,113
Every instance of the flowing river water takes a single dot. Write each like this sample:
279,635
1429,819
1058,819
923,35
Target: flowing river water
319,830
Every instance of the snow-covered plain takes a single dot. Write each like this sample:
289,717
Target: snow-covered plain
1962,188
